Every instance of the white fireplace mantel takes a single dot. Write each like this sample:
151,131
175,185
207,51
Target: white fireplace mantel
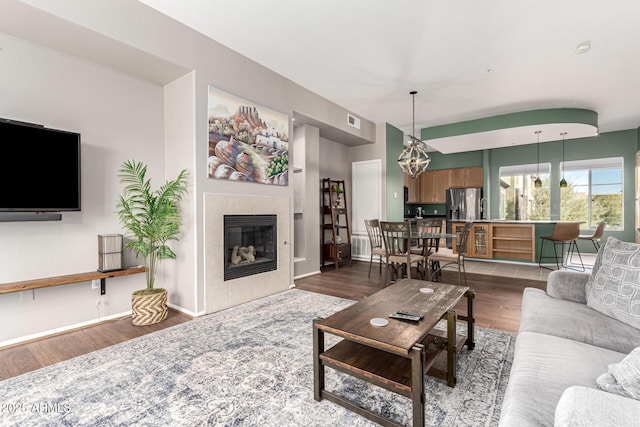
221,294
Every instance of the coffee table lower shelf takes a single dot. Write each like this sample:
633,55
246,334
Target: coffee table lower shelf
387,370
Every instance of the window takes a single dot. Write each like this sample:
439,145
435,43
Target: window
593,192
519,198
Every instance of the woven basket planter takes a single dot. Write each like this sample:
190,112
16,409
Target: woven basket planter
148,308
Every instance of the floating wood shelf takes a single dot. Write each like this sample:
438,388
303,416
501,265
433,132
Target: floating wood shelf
47,282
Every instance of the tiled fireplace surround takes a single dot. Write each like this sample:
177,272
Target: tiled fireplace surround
221,294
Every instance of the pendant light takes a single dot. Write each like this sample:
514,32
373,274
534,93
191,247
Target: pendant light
414,158
538,182
563,182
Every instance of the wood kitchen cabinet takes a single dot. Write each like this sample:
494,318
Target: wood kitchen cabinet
427,186
469,177
413,186
457,177
442,184
514,241
473,177
433,186
478,242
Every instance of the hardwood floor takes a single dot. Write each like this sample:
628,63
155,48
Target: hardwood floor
497,306
22,358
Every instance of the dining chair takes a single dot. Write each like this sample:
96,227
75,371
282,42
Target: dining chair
439,260
396,238
596,236
375,242
564,233
425,246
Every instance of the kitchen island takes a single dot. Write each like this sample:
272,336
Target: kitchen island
506,239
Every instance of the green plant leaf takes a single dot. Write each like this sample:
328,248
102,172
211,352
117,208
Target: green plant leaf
151,218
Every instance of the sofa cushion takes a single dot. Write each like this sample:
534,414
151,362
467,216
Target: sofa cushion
583,406
623,378
567,319
568,285
615,289
543,367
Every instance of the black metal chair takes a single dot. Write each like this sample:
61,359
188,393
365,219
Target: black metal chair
397,240
375,240
439,260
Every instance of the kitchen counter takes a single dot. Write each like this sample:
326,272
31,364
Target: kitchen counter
507,239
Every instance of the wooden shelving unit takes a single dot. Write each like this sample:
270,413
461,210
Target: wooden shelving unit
47,282
335,233
514,241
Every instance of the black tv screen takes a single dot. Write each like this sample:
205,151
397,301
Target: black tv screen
39,168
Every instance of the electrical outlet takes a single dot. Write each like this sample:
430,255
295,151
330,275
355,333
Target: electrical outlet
95,284
435,211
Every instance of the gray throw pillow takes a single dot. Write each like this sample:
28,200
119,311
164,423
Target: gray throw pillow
596,266
623,378
615,289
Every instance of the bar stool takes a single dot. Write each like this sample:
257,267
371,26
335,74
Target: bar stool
563,233
596,236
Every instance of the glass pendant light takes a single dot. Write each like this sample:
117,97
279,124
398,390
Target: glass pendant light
563,182
538,182
414,158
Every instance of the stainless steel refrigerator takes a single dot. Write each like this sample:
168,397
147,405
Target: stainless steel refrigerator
463,204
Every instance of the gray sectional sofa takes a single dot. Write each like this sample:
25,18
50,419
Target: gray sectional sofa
563,347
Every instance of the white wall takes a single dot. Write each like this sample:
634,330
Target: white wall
308,223
119,117
123,117
179,276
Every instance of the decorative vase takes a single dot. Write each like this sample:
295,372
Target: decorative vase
148,306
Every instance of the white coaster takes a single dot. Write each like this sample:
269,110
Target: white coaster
379,321
426,290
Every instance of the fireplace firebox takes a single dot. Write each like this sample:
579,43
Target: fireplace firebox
250,245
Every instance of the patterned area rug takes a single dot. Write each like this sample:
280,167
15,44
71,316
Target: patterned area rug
250,365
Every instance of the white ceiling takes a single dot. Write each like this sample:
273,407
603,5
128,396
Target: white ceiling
467,59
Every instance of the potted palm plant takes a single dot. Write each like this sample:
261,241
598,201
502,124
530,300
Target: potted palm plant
151,218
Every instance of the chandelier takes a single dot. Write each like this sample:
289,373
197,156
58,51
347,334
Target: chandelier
414,158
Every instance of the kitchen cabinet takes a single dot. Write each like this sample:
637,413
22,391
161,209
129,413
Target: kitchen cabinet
513,241
442,183
433,186
457,177
413,187
473,177
478,242
427,186
469,177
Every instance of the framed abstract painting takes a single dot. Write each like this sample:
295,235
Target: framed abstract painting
247,142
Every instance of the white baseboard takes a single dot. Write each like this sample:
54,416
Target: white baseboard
185,311
62,329
313,273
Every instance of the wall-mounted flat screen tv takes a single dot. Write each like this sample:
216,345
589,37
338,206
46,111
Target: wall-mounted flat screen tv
39,168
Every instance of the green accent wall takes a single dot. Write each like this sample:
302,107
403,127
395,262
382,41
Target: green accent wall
611,144
455,160
394,178
512,120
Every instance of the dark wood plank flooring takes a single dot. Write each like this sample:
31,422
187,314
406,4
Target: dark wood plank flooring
497,306
22,358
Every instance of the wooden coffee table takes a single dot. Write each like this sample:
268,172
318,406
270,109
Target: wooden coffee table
397,356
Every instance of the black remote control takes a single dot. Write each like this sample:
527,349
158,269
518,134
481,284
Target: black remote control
404,317
406,313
